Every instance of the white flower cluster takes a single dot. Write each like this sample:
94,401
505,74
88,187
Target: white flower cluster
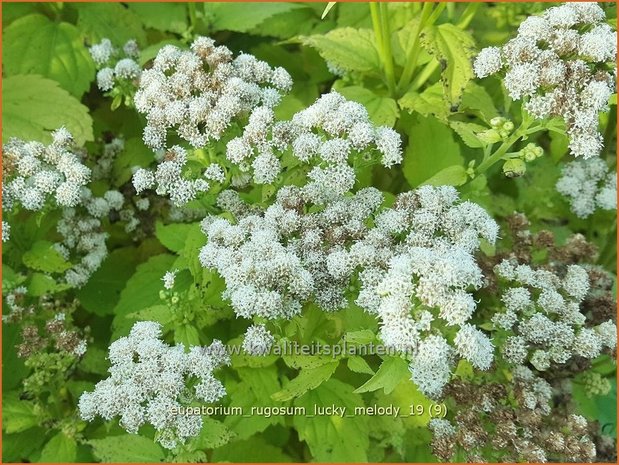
542,317
203,90
112,68
417,257
147,382
170,179
34,173
168,279
104,163
327,133
564,63
258,340
588,186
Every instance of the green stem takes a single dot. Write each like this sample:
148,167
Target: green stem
380,23
413,53
503,148
191,8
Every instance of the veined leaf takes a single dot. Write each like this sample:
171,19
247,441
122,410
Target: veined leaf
126,448
33,106
308,379
36,45
391,372
453,48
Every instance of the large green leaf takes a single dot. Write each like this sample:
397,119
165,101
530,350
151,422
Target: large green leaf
126,448
173,236
102,291
431,148
453,48
240,17
308,379
165,16
347,48
60,449
254,450
18,414
430,102
36,45
391,372
333,438
113,21
32,106
44,257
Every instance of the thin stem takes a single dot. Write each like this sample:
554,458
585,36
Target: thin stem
504,147
382,31
413,53
191,8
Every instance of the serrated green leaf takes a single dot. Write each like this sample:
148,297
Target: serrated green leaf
348,48
212,435
20,447
468,133
18,414
431,149
36,45
94,361
308,379
361,337
477,99
59,449
237,17
41,284
102,291
454,175
160,313
113,21
383,111
187,335
388,376
255,450
44,257
430,102
254,390
126,448
357,364
165,16
333,438
453,48
173,236
32,106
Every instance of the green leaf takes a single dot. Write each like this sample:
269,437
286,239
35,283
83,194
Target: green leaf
454,175
126,448
32,106
18,414
333,438
254,390
191,250
159,313
102,291
308,379
94,361
254,450
36,45
41,284
60,449
173,236
431,148
404,396
475,98
212,435
187,335
299,361
388,376
13,368
453,48
19,447
348,48
358,365
43,257
238,17
113,21
383,111
468,133
430,102
135,153
167,16
361,337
